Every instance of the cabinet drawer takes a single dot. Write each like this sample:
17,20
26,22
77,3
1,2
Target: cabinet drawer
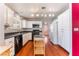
9,41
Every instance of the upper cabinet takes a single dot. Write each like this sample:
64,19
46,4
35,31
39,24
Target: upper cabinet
8,17
2,16
24,23
12,19
17,21
30,24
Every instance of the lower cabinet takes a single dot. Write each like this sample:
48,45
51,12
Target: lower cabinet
26,37
10,41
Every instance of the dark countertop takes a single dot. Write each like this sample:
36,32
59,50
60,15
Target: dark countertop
20,30
10,35
13,33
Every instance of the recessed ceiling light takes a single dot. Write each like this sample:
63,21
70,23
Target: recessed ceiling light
45,15
50,15
37,14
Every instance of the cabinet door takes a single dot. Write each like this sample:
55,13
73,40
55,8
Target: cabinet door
25,38
29,36
24,24
10,41
9,16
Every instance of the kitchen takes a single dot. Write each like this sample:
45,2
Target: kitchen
23,22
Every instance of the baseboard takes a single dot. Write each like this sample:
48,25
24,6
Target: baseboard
60,47
63,49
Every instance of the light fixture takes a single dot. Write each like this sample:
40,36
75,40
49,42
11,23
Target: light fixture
37,15
50,15
45,15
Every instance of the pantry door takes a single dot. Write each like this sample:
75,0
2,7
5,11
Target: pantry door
75,29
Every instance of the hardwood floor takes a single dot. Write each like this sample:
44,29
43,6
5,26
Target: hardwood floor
54,50
50,50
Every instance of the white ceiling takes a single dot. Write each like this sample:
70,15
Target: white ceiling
26,9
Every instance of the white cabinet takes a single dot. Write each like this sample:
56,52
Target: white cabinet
2,15
10,42
12,19
24,23
8,16
27,37
17,21
64,30
30,23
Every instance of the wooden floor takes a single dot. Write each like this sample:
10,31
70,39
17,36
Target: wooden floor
50,50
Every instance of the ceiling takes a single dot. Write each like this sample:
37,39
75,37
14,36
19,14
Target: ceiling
30,10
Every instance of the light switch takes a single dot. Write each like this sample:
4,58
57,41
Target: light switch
76,29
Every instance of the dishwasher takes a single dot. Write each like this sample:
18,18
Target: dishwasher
18,43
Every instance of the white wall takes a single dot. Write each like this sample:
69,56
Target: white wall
2,16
